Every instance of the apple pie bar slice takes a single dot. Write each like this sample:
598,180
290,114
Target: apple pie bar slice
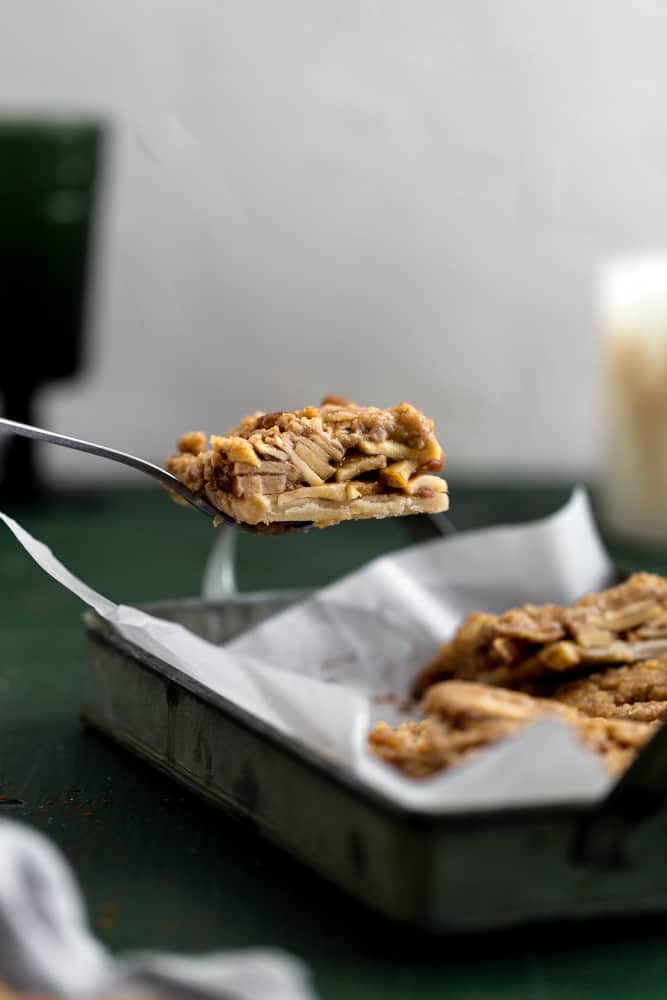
532,647
463,717
322,465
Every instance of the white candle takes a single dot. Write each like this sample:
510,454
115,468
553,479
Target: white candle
633,305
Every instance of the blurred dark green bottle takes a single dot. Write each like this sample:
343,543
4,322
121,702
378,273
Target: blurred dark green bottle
49,174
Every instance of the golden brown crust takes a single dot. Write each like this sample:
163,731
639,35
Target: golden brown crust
193,443
320,464
463,717
637,691
524,647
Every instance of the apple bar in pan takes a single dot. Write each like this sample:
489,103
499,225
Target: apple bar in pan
464,717
540,645
327,464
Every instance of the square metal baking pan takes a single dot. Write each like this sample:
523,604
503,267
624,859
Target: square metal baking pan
465,871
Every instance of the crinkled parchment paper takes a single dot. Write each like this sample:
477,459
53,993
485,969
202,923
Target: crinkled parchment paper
326,669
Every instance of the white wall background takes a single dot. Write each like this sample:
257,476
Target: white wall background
388,199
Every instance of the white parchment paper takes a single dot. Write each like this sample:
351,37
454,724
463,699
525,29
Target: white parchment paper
323,670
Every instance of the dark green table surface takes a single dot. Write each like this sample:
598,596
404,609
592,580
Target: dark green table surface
158,868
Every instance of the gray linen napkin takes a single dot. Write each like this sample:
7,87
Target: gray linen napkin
45,942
